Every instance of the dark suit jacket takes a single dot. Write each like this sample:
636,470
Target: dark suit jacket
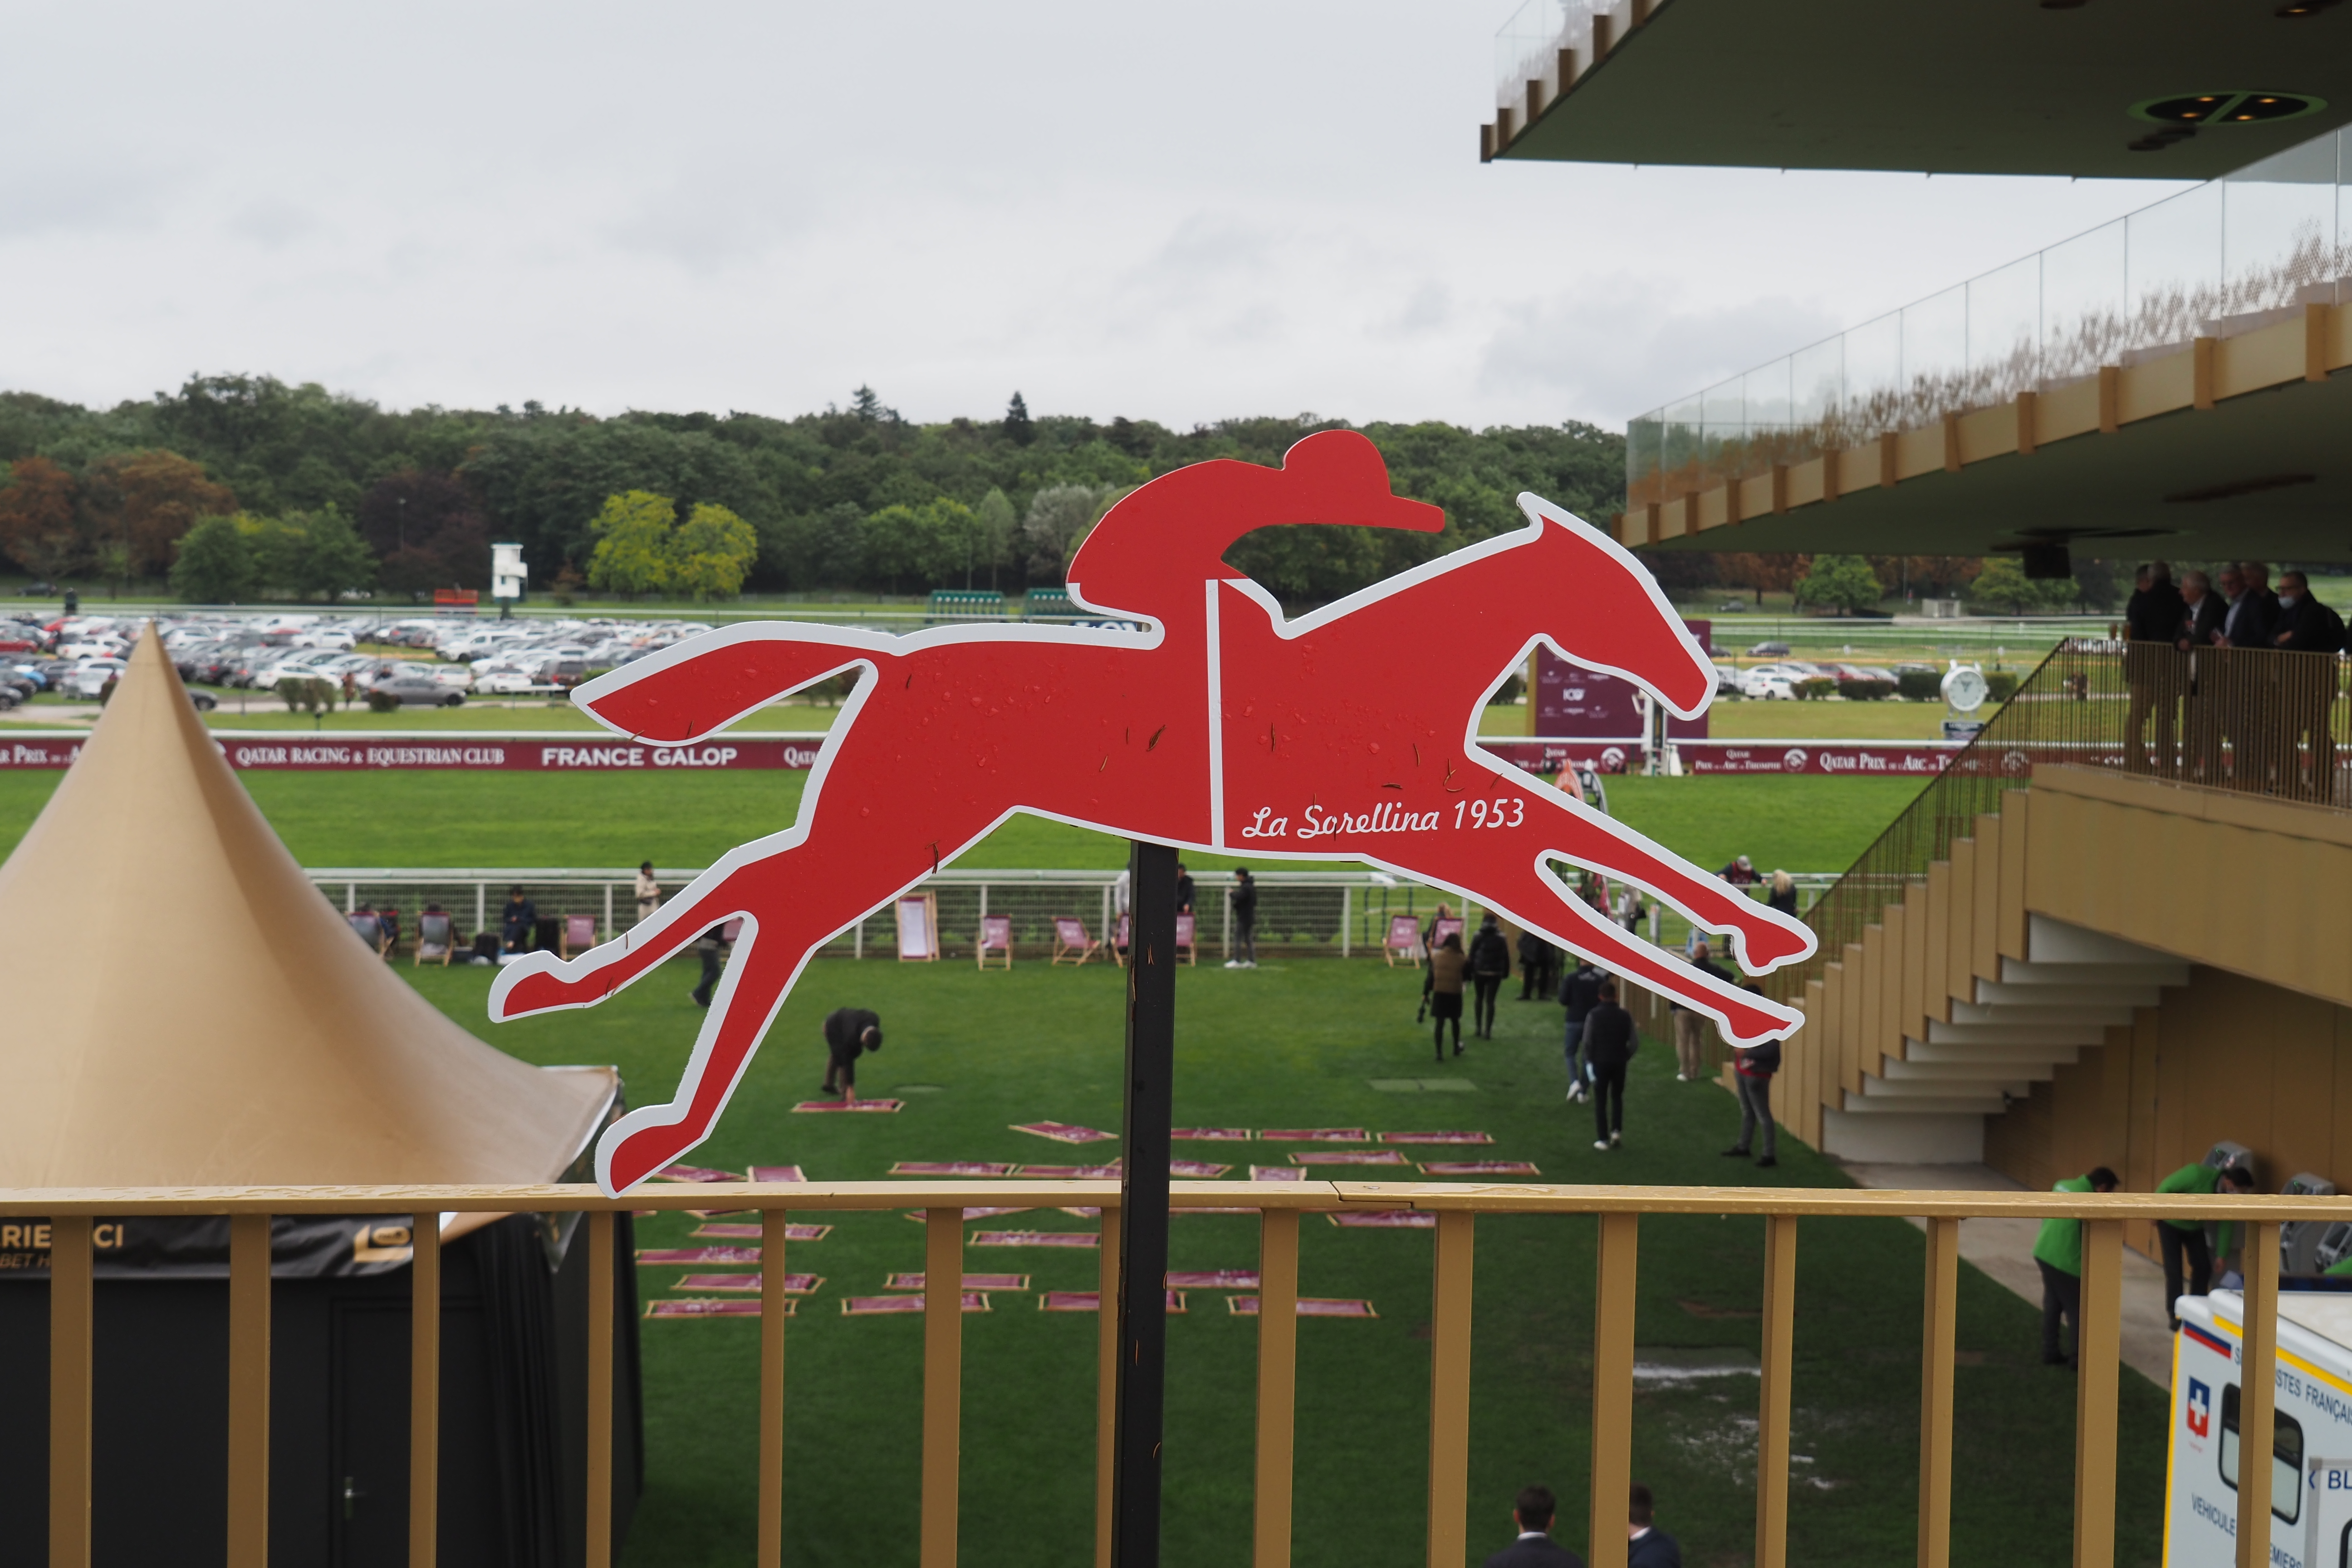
2154,614
2257,623
1536,1551
1655,1550
2205,619
2310,627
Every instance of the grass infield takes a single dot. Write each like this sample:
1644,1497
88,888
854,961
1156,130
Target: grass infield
1295,1043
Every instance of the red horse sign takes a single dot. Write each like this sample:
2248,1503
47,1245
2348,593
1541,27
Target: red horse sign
1219,726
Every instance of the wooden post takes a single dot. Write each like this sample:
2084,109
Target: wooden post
248,1391
1935,1393
1143,1204
1449,1391
774,1305
1772,1404
1612,1387
602,1286
2098,1353
2257,1392
942,1384
423,1389
70,1294
1277,1382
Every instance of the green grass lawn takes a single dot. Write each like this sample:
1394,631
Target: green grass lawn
618,819
1290,1044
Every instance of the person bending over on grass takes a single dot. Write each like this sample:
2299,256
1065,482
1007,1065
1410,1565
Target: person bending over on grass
1441,989
1535,1548
848,1032
2058,1254
1609,1045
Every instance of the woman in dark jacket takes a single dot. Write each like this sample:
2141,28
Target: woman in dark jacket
1443,987
1490,965
1783,896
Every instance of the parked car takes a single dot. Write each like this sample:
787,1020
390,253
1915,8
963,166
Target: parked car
1768,650
417,692
1766,685
37,591
88,678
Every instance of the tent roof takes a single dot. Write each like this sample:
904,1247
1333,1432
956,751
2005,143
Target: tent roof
184,1008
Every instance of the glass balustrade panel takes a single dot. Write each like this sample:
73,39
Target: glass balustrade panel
2082,291
1934,357
2173,273
2279,248
2004,327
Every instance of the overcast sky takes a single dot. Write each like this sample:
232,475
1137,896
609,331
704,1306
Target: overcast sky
1173,212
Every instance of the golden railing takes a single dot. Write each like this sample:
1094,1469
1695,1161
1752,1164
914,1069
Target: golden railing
73,1212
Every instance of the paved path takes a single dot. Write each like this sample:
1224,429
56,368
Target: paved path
2003,1249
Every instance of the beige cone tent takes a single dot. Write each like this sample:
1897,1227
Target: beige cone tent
183,1007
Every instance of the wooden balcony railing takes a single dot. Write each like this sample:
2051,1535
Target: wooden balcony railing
72,1213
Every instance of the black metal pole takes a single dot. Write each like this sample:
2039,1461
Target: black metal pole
1143,1195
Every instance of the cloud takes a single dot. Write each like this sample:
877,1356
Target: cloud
1624,347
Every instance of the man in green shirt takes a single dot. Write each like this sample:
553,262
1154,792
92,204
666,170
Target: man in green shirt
2175,1236
2058,1252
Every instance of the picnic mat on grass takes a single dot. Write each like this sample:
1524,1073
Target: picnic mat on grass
1069,1172
794,1284
922,1215
1315,1135
1383,1219
728,1231
877,1105
777,1173
1347,1157
1308,1307
706,1307
1213,1278
1435,1138
1091,1301
693,1173
1479,1168
1086,1239
877,1306
646,1254
1276,1174
1198,1170
1212,1134
950,1168
1063,1132
971,1281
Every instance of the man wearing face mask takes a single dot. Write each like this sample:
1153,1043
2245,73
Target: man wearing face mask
2307,686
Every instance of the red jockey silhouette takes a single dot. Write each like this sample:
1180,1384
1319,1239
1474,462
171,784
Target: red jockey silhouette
1222,726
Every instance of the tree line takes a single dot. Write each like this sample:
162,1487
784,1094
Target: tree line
243,486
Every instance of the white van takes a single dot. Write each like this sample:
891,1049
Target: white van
2311,1441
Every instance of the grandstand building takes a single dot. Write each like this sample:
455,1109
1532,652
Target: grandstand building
2080,946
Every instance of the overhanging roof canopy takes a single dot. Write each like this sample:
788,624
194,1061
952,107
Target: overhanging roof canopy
183,1007
2230,451
2010,89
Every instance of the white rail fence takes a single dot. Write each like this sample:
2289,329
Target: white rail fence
1337,915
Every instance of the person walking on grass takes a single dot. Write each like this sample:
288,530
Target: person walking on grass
2058,1254
1579,994
1245,922
1441,989
1490,965
1535,1548
649,893
849,1033
1751,1076
1609,1046
712,947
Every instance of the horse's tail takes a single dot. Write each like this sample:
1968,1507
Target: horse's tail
685,693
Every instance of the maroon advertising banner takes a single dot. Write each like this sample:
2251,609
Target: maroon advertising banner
510,753
1573,702
1867,759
